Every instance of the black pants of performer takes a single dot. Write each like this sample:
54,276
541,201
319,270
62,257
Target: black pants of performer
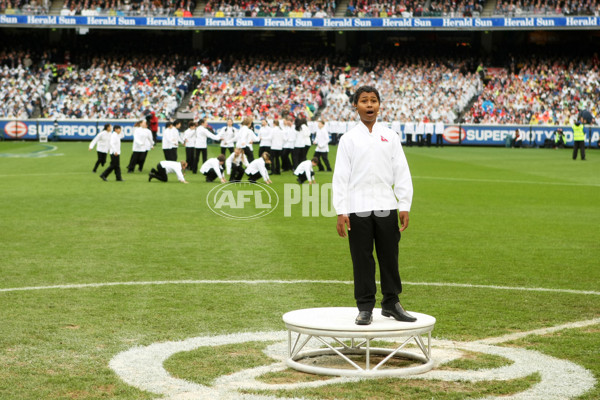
379,228
276,162
409,141
224,150
115,165
170,154
190,157
297,156
254,177
204,153
159,173
579,145
286,164
137,158
249,154
261,150
142,161
101,160
237,173
439,140
324,155
428,139
211,175
303,178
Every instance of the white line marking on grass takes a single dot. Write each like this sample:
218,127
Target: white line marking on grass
441,178
48,148
142,367
290,282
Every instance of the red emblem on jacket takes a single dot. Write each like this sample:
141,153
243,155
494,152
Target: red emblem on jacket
383,139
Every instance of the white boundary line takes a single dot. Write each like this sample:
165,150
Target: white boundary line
290,282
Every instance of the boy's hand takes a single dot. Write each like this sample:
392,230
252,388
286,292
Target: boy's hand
342,222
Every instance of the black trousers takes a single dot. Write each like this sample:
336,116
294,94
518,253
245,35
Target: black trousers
286,164
137,158
579,145
237,173
409,141
115,165
325,156
159,173
101,160
439,140
276,161
254,177
249,154
379,228
428,139
170,154
224,150
303,178
204,153
297,156
190,157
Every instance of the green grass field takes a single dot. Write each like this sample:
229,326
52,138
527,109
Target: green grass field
516,232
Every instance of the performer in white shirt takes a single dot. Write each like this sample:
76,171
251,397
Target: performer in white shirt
102,143
189,141
166,167
227,135
115,155
142,142
409,130
300,149
277,138
266,135
289,139
429,129
235,164
439,133
304,171
170,140
213,168
420,131
246,137
322,143
258,168
202,135
372,190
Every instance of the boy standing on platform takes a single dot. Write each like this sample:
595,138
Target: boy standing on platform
372,190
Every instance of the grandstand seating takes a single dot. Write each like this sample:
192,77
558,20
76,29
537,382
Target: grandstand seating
264,8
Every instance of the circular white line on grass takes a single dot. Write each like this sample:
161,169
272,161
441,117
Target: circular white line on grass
142,367
289,282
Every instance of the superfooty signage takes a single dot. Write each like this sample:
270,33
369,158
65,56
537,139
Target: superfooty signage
492,23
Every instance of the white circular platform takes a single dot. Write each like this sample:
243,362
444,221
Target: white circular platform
338,323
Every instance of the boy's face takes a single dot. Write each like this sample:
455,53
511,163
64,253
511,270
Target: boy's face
367,106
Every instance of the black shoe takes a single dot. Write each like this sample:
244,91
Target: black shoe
149,177
103,178
364,318
120,180
398,313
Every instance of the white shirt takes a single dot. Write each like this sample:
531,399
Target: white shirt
371,172
201,135
149,139
429,127
115,142
170,138
277,138
189,137
258,165
242,159
289,136
305,167
173,167
420,128
245,138
322,140
439,128
212,163
266,136
301,137
102,140
141,141
227,135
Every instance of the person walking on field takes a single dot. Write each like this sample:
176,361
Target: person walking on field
372,191
115,155
102,143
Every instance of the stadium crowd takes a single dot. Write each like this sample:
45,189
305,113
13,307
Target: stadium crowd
24,6
546,7
177,8
547,90
264,8
413,8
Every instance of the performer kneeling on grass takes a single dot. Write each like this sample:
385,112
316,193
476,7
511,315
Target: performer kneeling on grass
213,168
235,164
168,167
304,172
372,189
258,168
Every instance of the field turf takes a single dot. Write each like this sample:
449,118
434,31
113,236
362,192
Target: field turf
509,238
